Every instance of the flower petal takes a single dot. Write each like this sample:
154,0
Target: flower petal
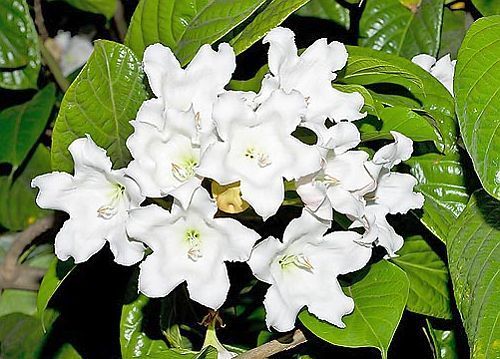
159,64
285,109
345,202
209,287
54,190
424,61
212,164
395,191
341,137
88,158
280,314
261,257
157,278
305,226
151,112
264,200
393,153
240,239
147,224
282,49
126,252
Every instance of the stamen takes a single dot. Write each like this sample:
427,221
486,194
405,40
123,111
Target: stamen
184,171
298,260
108,211
194,240
263,160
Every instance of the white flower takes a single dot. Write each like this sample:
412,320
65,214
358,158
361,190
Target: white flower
257,148
302,271
193,89
97,200
73,52
343,179
442,69
311,74
189,245
164,164
393,194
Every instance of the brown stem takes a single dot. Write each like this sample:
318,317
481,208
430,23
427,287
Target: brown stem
120,23
53,66
275,346
39,21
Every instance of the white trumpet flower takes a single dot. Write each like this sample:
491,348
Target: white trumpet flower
303,270
97,200
189,245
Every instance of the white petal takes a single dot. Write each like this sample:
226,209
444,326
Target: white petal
151,112
444,70
265,200
79,239
146,224
424,61
240,239
341,137
126,252
231,109
280,314
282,48
395,191
261,257
54,189
393,153
160,62
285,109
209,287
348,169
312,193
332,56
88,157
347,255
345,202
304,226
306,159
184,193
381,229
203,204
212,164
157,278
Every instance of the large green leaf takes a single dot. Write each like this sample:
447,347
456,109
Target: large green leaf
100,102
379,300
104,7
400,119
327,10
13,48
441,180
17,207
428,276
487,7
377,70
57,272
455,25
19,53
273,15
443,342
135,343
477,89
20,126
474,260
390,26
185,25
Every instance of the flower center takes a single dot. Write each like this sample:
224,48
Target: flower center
184,170
193,237
262,158
298,260
108,210
326,179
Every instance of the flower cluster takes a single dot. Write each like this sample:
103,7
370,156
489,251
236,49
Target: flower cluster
195,130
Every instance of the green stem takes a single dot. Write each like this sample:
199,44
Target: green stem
53,66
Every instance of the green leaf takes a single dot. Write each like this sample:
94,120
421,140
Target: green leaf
22,125
252,84
443,342
390,26
17,207
428,276
100,102
20,336
57,272
327,10
134,341
185,25
19,66
379,300
104,7
477,84
441,179
455,25
474,252
390,76
399,119
487,7
273,15
13,48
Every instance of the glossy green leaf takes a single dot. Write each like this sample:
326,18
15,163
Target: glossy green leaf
327,10
19,52
455,25
487,7
273,15
477,84
57,272
441,179
13,48
390,75
443,342
17,207
135,343
185,25
104,7
379,300
428,276
399,119
474,260
390,26
22,125
100,102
